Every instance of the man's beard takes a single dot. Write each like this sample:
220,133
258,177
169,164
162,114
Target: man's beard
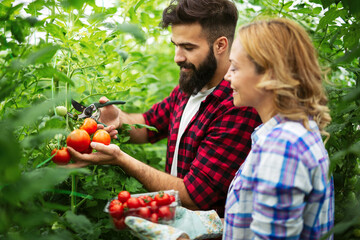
192,82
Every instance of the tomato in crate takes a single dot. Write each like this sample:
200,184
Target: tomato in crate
157,207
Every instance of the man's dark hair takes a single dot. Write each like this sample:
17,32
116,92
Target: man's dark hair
216,17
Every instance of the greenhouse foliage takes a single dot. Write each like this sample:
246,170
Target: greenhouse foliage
52,51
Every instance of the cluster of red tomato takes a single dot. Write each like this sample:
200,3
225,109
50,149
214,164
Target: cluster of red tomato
153,209
80,139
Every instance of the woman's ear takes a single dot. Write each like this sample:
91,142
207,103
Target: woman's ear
221,45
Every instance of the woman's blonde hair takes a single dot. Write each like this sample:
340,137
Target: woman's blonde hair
283,51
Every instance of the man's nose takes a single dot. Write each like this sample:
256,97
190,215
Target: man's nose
179,55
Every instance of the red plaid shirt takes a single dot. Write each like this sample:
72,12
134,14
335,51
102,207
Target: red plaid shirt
213,145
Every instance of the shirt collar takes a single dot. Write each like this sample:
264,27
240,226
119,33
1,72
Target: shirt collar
222,90
266,127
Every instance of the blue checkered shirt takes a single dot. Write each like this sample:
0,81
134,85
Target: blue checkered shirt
283,189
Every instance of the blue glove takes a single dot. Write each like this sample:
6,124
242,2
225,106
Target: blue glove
187,224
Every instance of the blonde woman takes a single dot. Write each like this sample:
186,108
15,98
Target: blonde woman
283,190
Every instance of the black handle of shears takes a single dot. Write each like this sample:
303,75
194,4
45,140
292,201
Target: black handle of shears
100,105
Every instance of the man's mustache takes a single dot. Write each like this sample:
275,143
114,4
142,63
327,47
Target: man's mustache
186,65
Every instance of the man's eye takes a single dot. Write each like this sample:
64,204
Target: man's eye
188,48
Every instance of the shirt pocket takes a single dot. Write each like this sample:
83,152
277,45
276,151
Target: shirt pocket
241,193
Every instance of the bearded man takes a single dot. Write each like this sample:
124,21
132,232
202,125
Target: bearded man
208,137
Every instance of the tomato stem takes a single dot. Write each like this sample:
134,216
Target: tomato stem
72,195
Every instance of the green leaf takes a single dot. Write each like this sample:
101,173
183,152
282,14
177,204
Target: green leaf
18,30
133,185
39,139
353,95
50,72
327,3
317,10
56,31
34,7
145,126
132,29
79,223
15,9
329,17
36,181
43,55
348,56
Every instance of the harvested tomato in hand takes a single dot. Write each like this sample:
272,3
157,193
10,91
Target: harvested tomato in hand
79,140
89,125
102,136
162,199
61,156
123,196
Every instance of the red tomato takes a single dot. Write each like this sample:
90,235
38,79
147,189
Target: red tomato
147,199
153,206
115,201
61,157
144,212
172,198
133,202
79,140
119,223
142,203
116,210
154,218
166,213
102,136
123,196
88,151
89,125
162,199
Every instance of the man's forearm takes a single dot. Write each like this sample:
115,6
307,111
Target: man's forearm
155,180
137,135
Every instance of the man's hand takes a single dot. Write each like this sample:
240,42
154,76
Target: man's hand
104,155
110,115
110,129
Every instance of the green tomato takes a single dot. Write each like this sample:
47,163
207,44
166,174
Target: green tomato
61,110
356,232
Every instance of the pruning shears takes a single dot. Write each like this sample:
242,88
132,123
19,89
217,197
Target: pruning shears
91,110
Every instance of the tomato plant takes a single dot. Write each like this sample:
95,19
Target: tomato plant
51,51
61,156
89,125
79,140
102,136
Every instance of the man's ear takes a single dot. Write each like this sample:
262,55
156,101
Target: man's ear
221,45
